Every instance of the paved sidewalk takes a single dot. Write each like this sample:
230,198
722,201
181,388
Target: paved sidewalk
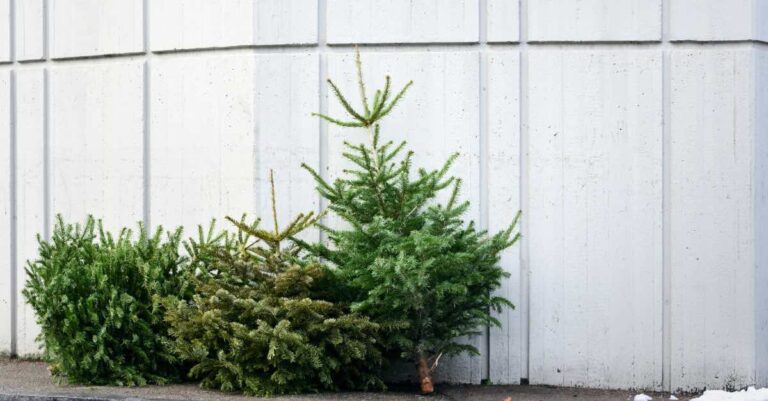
29,381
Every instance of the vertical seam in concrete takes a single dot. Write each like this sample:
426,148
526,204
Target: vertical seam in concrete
755,20
145,146
47,137
46,21
525,285
12,30
47,161
258,177
483,153
666,323
322,44
755,199
758,190
13,217
146,165
12,190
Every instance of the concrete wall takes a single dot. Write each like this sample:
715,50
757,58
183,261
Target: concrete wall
632,133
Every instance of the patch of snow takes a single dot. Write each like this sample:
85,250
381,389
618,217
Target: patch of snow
643,397
750,394
672,397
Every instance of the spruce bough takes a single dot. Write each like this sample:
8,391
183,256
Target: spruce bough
409,262
264,320
93,296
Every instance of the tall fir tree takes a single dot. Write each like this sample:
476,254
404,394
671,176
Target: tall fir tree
263,319
410,263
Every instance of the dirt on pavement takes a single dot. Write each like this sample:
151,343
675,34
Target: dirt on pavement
19,377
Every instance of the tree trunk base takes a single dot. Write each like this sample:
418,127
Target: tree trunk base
425,377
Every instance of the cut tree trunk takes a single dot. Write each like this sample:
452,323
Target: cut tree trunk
425,376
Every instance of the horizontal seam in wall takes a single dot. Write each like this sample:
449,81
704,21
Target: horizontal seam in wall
383,47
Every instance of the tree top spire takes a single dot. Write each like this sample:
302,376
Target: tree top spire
371,114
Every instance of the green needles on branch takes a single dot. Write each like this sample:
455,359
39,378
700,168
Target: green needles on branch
264,320
409,262
382,104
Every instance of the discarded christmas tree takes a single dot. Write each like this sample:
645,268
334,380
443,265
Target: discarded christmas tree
93,292
262,321
410,263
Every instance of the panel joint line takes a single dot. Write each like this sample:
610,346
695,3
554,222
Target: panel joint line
14,263
525,298
666,323
483,155
322,45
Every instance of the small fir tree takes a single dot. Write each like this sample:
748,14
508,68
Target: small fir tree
410,263
262,320
93,296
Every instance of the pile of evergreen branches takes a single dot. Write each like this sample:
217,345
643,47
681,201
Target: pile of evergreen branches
93,296
263,319
260,311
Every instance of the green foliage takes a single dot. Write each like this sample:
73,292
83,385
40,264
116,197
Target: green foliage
255,310
262,320
411,263
93,296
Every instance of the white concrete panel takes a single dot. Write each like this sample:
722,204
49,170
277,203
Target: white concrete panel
594,20
30,193
5,31
29,30
188,24
285,22
185,24
761,20
97,143
5,212
503,203
595,218
503,20
96,27
202,146
761,214
712,237
403,21
286,135
711,20
438,117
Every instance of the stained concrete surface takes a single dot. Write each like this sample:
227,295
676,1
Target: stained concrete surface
30,381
